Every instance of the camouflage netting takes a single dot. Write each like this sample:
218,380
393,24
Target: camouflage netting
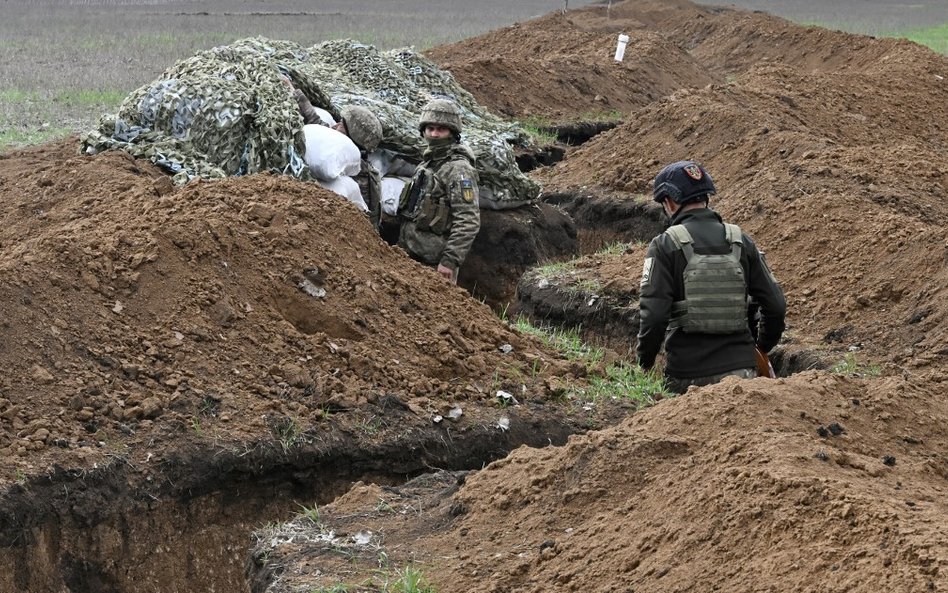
226,112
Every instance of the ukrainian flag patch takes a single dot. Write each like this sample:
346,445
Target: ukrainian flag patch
467,189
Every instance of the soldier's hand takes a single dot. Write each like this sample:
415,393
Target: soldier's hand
286,82
446,271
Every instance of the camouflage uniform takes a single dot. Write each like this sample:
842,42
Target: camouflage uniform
439,209
368,178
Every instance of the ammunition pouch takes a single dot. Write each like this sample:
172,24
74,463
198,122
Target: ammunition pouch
411,195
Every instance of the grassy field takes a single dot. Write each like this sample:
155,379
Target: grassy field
66,62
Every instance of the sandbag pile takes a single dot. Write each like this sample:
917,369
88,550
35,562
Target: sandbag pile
333,158
225,111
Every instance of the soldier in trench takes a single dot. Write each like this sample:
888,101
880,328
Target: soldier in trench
365,131
438,209
697,280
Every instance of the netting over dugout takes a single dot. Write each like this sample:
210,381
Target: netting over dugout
226,112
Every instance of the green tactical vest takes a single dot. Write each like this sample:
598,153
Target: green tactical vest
715,290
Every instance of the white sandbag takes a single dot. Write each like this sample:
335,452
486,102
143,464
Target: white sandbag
329,153
347,188
325,116
381,159
391,192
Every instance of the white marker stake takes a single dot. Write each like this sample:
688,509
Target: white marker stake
620,47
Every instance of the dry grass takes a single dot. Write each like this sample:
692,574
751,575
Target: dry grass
869,17
66,62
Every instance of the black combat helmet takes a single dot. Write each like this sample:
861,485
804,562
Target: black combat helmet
684,181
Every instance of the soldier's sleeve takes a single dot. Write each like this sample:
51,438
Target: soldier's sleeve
310,116
765,290
655,301
371,187
465,216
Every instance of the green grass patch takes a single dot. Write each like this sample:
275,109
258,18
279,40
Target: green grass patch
935,38
627,381
410,580
12,138
613,249
18,96
90,97
538,135
551,269
852,367
566,341
620,380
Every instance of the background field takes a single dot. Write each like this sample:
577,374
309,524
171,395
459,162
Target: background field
63,63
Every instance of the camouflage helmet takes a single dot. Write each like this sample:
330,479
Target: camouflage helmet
684,181
363,127
440,112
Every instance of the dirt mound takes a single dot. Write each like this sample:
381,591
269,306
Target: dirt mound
817,482
226,344
829,159
829,149
552,68
131,310
673,45
840,178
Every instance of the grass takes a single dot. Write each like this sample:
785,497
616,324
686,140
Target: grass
539,135
851,366
287,432
620,380
551,269
311,513
410,580
627,381
616,248
935,38
62,70
567,341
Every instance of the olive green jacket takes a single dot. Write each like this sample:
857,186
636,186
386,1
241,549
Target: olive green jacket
439,210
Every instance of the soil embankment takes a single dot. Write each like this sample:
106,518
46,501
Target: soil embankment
181,362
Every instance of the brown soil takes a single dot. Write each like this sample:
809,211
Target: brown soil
812,483
830,149
167,380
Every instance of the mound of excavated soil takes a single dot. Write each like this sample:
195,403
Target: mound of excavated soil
554,69
135,314
175,357
830,149
841,178
812,483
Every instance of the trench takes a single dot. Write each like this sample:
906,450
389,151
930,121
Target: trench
611,320
184,524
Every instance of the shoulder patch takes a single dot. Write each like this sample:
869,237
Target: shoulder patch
647,270
467,189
